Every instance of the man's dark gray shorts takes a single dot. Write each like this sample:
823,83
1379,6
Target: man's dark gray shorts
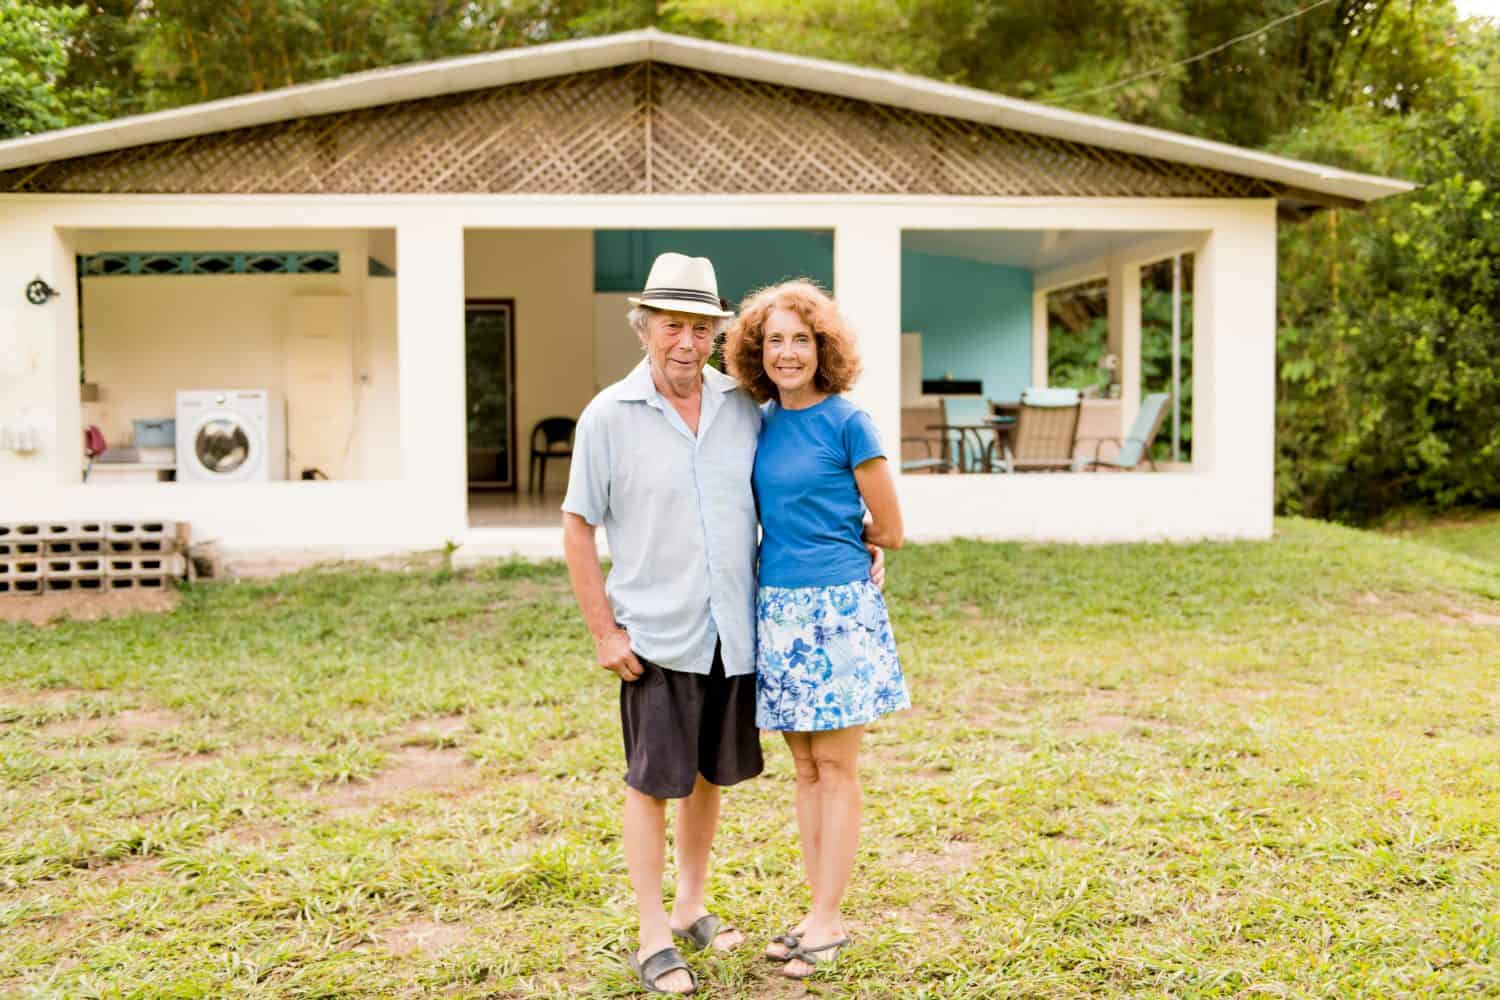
679,725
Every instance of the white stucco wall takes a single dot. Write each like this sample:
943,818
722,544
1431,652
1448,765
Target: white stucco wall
1227,493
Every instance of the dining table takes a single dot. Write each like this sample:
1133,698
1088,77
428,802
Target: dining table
999,424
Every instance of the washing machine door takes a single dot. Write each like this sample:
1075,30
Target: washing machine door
222,445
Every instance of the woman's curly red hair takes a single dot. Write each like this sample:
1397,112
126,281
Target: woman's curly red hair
744,346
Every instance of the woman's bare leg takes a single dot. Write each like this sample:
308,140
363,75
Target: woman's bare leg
835,755
808,814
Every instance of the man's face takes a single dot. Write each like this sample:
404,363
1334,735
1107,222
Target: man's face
678,345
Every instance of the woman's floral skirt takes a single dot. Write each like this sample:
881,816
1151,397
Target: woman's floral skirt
825,658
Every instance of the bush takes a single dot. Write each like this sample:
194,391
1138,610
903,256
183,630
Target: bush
1388,339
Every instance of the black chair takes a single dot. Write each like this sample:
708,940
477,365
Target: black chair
552,431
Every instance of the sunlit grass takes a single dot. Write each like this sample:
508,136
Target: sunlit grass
1186,771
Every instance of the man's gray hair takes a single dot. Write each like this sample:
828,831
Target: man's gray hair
639,316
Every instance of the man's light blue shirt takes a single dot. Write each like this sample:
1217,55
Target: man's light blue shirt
679,513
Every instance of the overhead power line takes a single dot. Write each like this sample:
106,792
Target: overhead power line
1201,55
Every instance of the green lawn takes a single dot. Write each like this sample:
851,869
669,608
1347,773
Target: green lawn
1470,534
1164,771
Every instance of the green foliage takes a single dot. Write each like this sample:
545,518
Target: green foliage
1390,390
33,59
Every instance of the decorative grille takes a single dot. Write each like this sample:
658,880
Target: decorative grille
261,262
647,128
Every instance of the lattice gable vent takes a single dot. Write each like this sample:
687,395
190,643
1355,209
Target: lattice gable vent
645,128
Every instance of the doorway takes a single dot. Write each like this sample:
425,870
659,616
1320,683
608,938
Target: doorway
490,392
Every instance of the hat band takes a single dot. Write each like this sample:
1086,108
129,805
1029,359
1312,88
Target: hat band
686,294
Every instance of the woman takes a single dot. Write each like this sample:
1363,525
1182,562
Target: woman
826,661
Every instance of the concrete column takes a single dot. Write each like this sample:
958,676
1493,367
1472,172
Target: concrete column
867,283
430,349
1039,338
1125,334
1234,358
39,360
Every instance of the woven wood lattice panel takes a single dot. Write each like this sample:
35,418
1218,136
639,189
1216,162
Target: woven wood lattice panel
645,128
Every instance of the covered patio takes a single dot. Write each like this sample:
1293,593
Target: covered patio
512,200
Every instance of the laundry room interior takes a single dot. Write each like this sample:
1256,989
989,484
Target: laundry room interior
287,337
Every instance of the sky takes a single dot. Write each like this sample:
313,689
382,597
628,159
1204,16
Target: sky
1479,8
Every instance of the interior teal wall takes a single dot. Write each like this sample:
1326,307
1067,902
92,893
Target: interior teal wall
744,259
974,318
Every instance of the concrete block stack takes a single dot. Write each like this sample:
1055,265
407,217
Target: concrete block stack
42,557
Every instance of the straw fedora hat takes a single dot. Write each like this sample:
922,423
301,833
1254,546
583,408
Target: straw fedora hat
679,283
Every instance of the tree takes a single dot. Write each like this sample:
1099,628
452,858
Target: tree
33,60
1390,394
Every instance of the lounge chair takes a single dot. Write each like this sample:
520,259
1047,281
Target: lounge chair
1136,444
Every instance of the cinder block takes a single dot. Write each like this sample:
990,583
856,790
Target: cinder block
141,529
64,566
145,564
30,568
117,546
74,546
29,585
56,584
138,582
29,549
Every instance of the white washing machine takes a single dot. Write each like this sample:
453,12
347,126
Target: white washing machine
230,436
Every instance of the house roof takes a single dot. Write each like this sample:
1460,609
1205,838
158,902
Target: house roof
450,76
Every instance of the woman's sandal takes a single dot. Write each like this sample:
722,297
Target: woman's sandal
704,932
790,940
802,953
649,972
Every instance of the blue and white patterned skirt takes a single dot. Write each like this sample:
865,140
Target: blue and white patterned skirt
825,658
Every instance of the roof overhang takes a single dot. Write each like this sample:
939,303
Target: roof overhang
1314,183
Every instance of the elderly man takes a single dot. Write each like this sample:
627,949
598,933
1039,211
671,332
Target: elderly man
662,459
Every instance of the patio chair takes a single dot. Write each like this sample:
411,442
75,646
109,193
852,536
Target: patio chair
927,463
968,450
1137,443
1046,432
554,432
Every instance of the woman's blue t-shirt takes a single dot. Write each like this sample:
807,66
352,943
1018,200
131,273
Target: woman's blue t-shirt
811,513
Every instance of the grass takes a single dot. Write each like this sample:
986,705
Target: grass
1189,771
1475,534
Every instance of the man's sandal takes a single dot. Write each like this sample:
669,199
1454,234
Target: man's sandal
790,940
704,931
649,972
808,955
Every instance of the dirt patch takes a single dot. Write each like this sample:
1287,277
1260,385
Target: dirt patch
1465,616
1105,725
47,609
44,698
426,937
954,856
132,722
248,835
414,770
1392,607
441,731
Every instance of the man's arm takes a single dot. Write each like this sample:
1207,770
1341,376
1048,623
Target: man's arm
611,642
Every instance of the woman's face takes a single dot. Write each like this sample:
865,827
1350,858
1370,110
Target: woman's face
790,351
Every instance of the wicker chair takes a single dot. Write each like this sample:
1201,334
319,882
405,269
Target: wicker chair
1046,433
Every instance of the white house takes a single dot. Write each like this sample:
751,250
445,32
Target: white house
415,265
